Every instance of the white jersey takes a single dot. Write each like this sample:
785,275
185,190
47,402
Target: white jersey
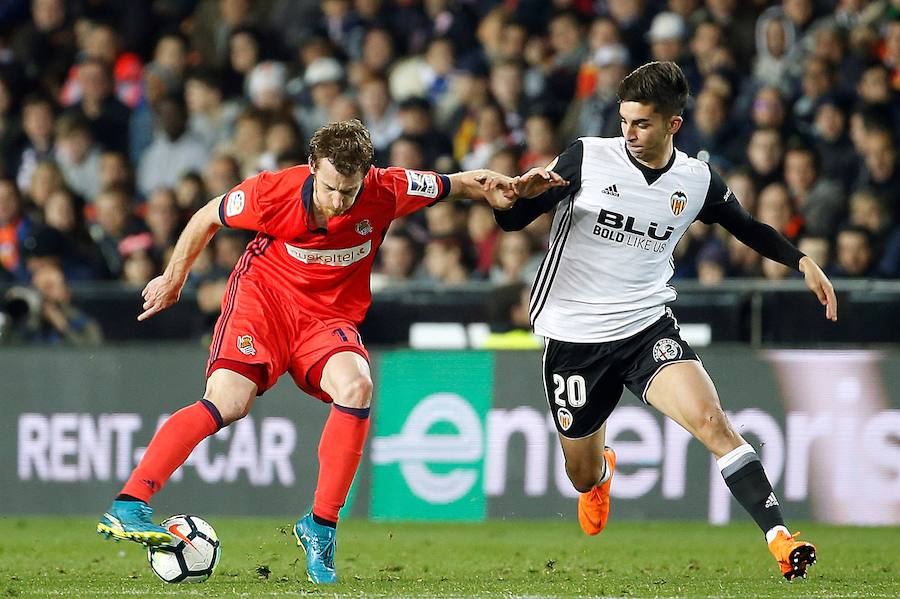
605,276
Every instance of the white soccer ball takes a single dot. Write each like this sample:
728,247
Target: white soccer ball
192,555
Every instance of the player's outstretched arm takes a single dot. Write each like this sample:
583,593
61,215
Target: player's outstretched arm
820,285
164,290
483,184
537,181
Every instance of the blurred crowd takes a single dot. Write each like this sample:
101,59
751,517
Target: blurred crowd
119,119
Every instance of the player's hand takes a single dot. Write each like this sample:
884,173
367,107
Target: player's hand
820,285
159,294
537,181
498,190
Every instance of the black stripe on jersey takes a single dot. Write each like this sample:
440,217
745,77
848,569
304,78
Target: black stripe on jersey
556,259
540,279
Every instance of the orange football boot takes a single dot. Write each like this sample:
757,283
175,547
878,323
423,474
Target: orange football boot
793,556
593,506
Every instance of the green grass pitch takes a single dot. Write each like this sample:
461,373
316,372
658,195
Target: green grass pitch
62,557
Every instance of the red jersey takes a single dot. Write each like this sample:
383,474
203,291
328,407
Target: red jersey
326,271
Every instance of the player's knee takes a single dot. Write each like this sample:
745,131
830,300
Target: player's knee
355,393
713,426
231,407
584,476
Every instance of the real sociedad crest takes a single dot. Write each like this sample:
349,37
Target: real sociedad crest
364,227
677,202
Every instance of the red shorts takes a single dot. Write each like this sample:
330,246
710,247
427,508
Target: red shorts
261,335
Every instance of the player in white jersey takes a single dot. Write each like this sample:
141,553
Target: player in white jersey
621,206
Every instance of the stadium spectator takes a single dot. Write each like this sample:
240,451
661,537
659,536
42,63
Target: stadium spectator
598,113
77,155
44,45
832,143
540,147
709,130
45,179
775,209
491,134
854,256
484,233
324,81
108,117
379,113
417,121
880,173
38,122
818,199
114,170
138,263
506,85
445,261
817,248
221,174
513,259
173,152
666,36
210,119
764,156
163,222
113,222
399,258
64,212
15,225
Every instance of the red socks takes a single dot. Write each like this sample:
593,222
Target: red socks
171,446
340,449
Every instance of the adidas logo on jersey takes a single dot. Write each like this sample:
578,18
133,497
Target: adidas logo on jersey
771,501
611,190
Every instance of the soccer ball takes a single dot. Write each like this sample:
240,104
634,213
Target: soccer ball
192,555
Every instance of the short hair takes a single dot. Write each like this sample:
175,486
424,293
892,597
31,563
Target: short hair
346,144
857,230
661,84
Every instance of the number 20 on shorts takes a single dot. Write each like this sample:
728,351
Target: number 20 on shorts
574,388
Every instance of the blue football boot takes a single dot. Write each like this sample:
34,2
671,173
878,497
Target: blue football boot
319,542
131,520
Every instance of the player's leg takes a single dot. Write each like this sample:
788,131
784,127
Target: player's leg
582,388
684,392
228,397
334,367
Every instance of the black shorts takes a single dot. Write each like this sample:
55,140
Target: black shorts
584,381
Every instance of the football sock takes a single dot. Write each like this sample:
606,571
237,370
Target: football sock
745,477
340,450
324,522
606,472
170,447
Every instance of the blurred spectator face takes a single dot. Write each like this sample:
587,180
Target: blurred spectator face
344,108
512,41
234,12
491,126
51,284
250,134
608,78
817,248
171,53
48,15
504,162
442,219
874,86
335,9
513,253
138,268
243,52
480,223
775,207
113,169
323,94
854,254
468,89
172,118
162,214
710,272
190,193
683,7
9,202
798,11
221,174
880,156
95,81
414,120
764,151
377,50
867,211
37,121
721,9
603,33
200,97
405,153
768,108
539,135
565,34
112,212
741,185
398,257
374,98
443,260
229,249
625,11
45,180
102,43
817,78
799,172
776,38
830,122
709,113
439,56
829,45
281,137
75,144
707,37
59,211
506,84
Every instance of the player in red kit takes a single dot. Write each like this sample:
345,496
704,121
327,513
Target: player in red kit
292,304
